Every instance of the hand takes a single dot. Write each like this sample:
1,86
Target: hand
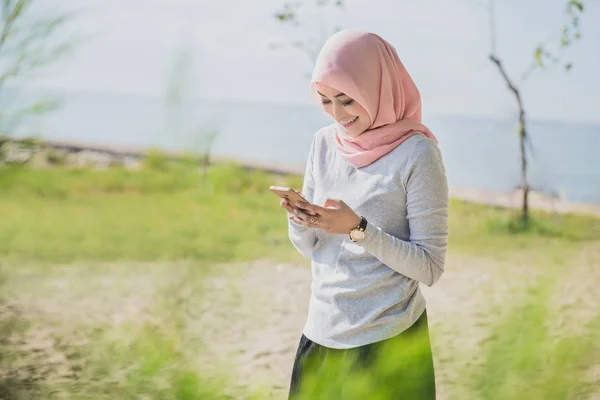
334,217
295,214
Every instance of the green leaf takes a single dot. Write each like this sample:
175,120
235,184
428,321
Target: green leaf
285,16
568,66
576,4
539,52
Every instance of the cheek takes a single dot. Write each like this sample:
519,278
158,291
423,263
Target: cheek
327,109
366,121
362,113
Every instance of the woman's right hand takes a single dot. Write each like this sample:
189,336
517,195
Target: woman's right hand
294,213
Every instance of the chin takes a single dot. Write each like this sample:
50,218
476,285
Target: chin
353,132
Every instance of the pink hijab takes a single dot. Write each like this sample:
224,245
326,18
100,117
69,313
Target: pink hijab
367,68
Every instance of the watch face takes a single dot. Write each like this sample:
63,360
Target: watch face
357,235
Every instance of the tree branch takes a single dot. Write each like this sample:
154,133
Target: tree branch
27,46
290,15
10,17
523,137
510,84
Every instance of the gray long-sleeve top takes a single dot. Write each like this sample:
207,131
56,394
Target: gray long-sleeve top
369,291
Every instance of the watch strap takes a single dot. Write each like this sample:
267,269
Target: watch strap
363,223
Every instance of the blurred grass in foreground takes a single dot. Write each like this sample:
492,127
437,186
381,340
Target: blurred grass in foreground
521,359
61,226
107,331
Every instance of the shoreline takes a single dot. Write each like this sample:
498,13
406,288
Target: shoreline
512,200
125,154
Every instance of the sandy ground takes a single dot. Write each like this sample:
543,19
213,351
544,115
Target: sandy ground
251,314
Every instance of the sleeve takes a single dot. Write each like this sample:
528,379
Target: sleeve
422,257
304,238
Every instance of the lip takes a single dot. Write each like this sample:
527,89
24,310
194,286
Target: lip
350,124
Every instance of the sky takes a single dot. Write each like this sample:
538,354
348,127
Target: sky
131,45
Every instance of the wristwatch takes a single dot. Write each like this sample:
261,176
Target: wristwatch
358,234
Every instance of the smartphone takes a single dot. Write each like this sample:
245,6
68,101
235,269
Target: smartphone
292,195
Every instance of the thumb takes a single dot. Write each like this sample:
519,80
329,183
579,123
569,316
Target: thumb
332,203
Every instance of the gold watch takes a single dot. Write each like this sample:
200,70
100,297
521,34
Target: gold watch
358,234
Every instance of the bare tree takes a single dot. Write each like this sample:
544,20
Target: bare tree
200,138
542,55
31,39
295,15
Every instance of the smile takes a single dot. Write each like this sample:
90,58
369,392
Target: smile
348,122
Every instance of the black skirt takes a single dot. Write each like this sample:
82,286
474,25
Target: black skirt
397,368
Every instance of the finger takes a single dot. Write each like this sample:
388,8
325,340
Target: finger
290,210
285,204
309,220
311,207
333,203
299,221
301,215
305,210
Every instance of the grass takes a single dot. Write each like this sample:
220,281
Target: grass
75,217
66,232
524,358
67,215
494,232
63,215
105,331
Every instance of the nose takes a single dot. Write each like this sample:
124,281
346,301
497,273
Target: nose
338,111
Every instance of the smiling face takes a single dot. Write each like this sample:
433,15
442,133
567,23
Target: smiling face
350,116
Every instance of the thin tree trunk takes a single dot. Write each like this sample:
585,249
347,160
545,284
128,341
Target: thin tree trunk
524,183
204,163
522,136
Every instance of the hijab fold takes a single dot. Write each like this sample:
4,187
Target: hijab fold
367,68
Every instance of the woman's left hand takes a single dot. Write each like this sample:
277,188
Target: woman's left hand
334,217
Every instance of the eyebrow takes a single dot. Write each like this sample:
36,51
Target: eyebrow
336,96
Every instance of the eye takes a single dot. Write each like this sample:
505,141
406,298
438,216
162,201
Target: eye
323,101
347,103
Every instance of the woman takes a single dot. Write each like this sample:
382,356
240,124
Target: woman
374,224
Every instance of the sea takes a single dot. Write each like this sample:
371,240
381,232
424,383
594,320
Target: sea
478,152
